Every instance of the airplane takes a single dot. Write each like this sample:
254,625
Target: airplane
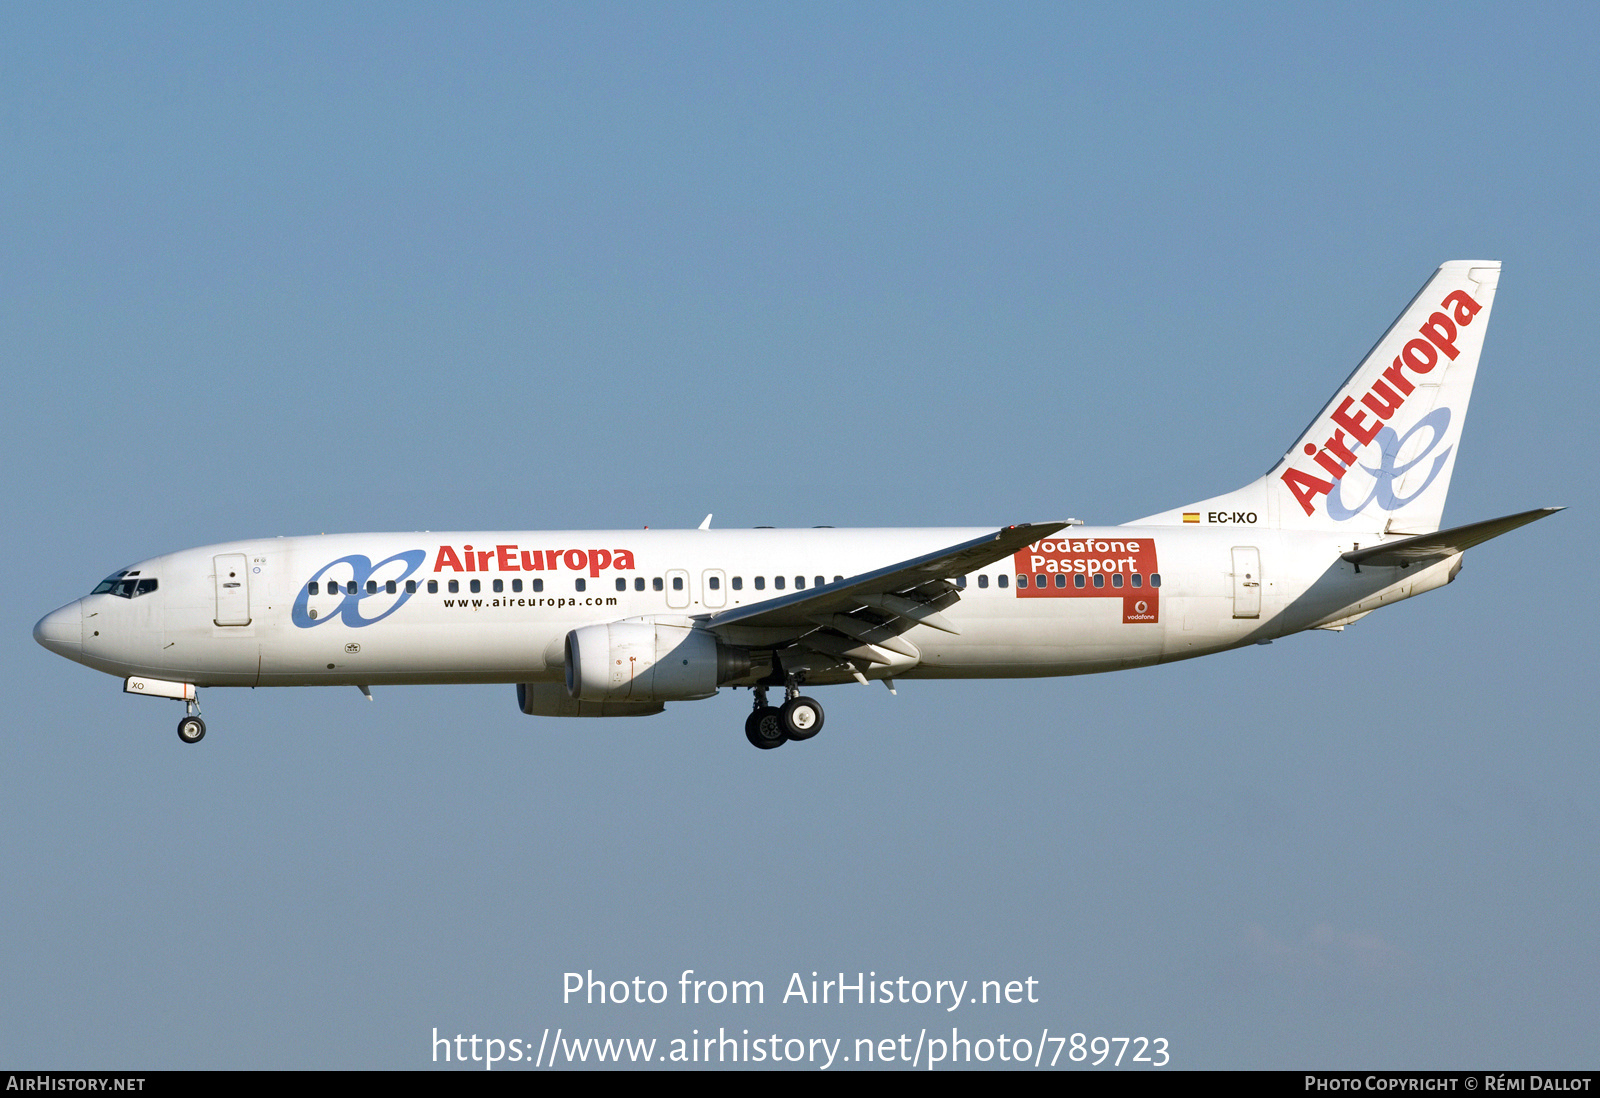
619,623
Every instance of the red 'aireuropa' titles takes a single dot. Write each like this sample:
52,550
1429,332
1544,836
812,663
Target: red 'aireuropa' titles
1386,397
510,558
1095,568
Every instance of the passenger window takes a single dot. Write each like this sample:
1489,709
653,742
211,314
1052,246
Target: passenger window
638,583
1116,579
1022,579
1077,580
677,583
312,588
1099,579
538,585
1155,579
389,587
838,579
777,583
455,586
476,586
657,584
433,587
714,583
1061,579
582,585
1138,580
983,581
516,585
799,583
499,586
372,587
622,583
820,581
738,583
1002,580
411,587
761,583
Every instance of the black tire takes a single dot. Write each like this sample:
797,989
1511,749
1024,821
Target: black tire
802,718
191,730
764,728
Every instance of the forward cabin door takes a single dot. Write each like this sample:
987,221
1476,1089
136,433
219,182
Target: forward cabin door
1246,581
233,589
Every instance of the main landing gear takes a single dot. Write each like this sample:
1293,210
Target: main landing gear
192,729
798,718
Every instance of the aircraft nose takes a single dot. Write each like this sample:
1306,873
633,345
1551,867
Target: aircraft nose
61,630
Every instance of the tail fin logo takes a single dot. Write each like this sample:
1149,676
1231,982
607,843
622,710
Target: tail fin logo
1354,427
1384,476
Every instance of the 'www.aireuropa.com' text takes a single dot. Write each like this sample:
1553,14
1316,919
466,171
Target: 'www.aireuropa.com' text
559,1049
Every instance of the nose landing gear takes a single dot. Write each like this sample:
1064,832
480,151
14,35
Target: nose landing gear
192,729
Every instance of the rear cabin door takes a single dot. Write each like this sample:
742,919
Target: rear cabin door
1246,581
233,589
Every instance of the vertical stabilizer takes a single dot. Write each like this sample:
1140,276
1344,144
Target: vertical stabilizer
1379,455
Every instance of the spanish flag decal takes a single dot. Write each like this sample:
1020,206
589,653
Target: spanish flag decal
1191,516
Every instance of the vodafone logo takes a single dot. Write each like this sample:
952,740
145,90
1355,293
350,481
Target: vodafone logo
1116,568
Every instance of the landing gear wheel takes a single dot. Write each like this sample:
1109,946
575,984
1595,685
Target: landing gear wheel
802,718
191,730
765,728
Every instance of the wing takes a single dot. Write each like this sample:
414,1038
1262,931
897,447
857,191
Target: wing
860,618
1427,548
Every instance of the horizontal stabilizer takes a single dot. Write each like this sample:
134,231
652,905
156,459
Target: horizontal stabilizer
1425,548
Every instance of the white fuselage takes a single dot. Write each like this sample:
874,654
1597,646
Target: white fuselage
242,613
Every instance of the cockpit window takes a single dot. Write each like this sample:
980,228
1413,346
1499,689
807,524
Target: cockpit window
125,585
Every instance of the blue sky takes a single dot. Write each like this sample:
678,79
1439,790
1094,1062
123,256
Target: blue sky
281,270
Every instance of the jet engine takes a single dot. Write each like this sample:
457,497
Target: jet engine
633,661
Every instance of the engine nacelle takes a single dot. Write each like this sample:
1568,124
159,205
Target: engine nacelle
550,699
630,661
